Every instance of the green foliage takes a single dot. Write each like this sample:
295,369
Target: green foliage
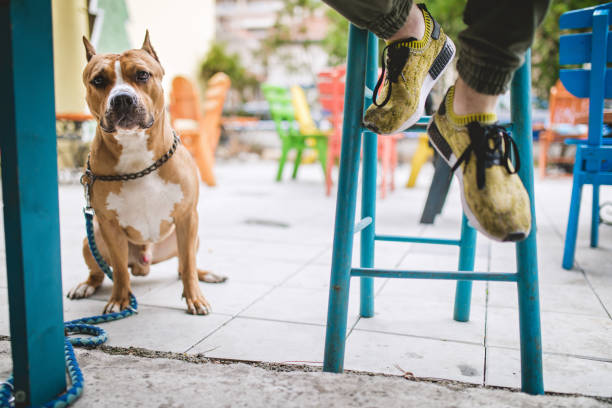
545,53
219,60
336,39
450,15
290,23
545,49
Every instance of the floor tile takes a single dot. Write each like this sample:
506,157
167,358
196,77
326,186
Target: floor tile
436,290
561,373
576,298
578,335
384,353
422,317
227,298
263,340
300,305
162,329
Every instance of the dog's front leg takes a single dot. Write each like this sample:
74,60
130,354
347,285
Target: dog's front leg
117,244
186,237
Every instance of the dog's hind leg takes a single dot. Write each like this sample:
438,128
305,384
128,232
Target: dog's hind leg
96,275
209,277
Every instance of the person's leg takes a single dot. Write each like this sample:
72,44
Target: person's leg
491,48
385,18
417,53
464,130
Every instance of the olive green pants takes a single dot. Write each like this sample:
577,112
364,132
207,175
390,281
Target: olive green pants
492,46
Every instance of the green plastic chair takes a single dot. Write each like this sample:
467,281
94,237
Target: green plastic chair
282,112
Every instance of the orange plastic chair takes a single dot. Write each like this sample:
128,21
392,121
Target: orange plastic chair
331,97
199,133
565,109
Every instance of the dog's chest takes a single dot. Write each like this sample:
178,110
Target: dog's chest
143,203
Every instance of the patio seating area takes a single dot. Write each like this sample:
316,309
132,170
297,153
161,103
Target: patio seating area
273,241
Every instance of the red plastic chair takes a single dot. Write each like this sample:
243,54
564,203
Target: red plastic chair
331,97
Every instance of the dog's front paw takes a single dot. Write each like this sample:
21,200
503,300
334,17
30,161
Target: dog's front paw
116,305
198,305
82,290
209,277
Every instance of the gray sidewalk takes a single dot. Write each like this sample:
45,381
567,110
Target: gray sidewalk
273,241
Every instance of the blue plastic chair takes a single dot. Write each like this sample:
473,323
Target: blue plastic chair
361,78
593,156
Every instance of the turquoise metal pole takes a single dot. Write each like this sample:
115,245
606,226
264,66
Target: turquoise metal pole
368,190
467,252
31,210
345,205
526,251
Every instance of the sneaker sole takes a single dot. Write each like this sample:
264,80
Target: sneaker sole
439,66
445,151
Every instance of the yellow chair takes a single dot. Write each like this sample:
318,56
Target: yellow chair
307,126
423,153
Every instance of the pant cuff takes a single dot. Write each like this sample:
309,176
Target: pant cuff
482,77
388,24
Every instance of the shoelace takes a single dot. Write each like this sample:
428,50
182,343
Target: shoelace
487,143
397,55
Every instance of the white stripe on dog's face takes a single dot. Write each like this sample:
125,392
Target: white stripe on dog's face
120,86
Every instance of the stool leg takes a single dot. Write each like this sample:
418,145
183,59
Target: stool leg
345,205
368,191
467,252
595,217
526,251
440,184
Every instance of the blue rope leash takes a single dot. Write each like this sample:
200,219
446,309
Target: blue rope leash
78,326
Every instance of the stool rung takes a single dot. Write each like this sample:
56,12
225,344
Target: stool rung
478,276
420,125
418,240
361,224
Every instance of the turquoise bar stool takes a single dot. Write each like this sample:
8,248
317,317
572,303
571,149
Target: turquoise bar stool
361,77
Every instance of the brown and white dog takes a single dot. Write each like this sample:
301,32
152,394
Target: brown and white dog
152,218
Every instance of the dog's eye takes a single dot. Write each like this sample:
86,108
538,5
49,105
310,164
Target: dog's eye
142,76
98,81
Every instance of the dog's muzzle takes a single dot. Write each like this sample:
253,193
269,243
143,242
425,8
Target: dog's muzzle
127,112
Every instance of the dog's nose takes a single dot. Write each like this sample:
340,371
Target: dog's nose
122,102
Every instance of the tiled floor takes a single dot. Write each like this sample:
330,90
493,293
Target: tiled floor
274,240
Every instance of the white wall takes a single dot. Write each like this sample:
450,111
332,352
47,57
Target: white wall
181,32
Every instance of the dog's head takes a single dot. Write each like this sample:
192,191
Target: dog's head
124,92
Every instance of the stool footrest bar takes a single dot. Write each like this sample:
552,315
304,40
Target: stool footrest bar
448,275
361,224
418,240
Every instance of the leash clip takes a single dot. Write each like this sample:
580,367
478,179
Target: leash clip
87,180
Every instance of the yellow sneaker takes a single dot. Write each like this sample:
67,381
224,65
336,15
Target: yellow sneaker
479,153
412,68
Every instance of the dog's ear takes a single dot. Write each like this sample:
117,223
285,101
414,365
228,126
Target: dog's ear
146,45
90,51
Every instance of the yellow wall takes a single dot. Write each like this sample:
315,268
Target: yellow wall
181,32
70,23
